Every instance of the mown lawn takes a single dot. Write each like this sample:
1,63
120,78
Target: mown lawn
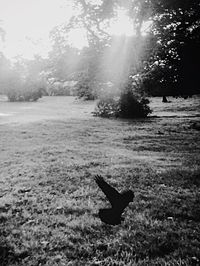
49,200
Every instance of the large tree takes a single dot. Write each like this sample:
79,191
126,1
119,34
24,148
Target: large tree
166,59
63,60
175,58
85,66
94,17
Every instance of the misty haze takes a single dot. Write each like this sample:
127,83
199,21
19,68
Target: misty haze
99,132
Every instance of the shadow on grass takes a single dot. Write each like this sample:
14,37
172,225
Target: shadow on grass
8,256
181,207
182,178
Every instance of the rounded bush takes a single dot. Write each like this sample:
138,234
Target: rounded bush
84,91
24,95
107,107
125,106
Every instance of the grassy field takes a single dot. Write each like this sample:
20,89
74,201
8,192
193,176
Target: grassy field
49,154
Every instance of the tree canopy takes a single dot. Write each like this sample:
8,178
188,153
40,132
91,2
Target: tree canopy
175,58
168,58
162,61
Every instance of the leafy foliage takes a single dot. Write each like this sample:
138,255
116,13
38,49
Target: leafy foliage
94,17
24,95
127,105
174,62
85,90
132,106
166,60
23,90
108,107
172,52
88,76
23,81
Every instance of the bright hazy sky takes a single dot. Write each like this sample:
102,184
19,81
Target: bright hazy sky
28,22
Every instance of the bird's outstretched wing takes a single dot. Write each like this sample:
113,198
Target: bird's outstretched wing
111,193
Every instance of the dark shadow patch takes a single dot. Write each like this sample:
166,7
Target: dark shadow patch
180,178
180,208
165,244
7,255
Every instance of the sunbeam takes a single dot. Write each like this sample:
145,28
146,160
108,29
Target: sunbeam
121,25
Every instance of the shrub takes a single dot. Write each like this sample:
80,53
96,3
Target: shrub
58,89
107,107
125,106
87,88
24,95
84,91
132,106
27,90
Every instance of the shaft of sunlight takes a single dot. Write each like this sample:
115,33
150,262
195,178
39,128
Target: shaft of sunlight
115,63
122,24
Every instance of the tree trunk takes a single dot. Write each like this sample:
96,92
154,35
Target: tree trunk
164,99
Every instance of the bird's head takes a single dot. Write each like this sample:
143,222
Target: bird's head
128,195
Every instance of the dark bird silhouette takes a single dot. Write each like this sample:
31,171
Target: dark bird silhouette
118,201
